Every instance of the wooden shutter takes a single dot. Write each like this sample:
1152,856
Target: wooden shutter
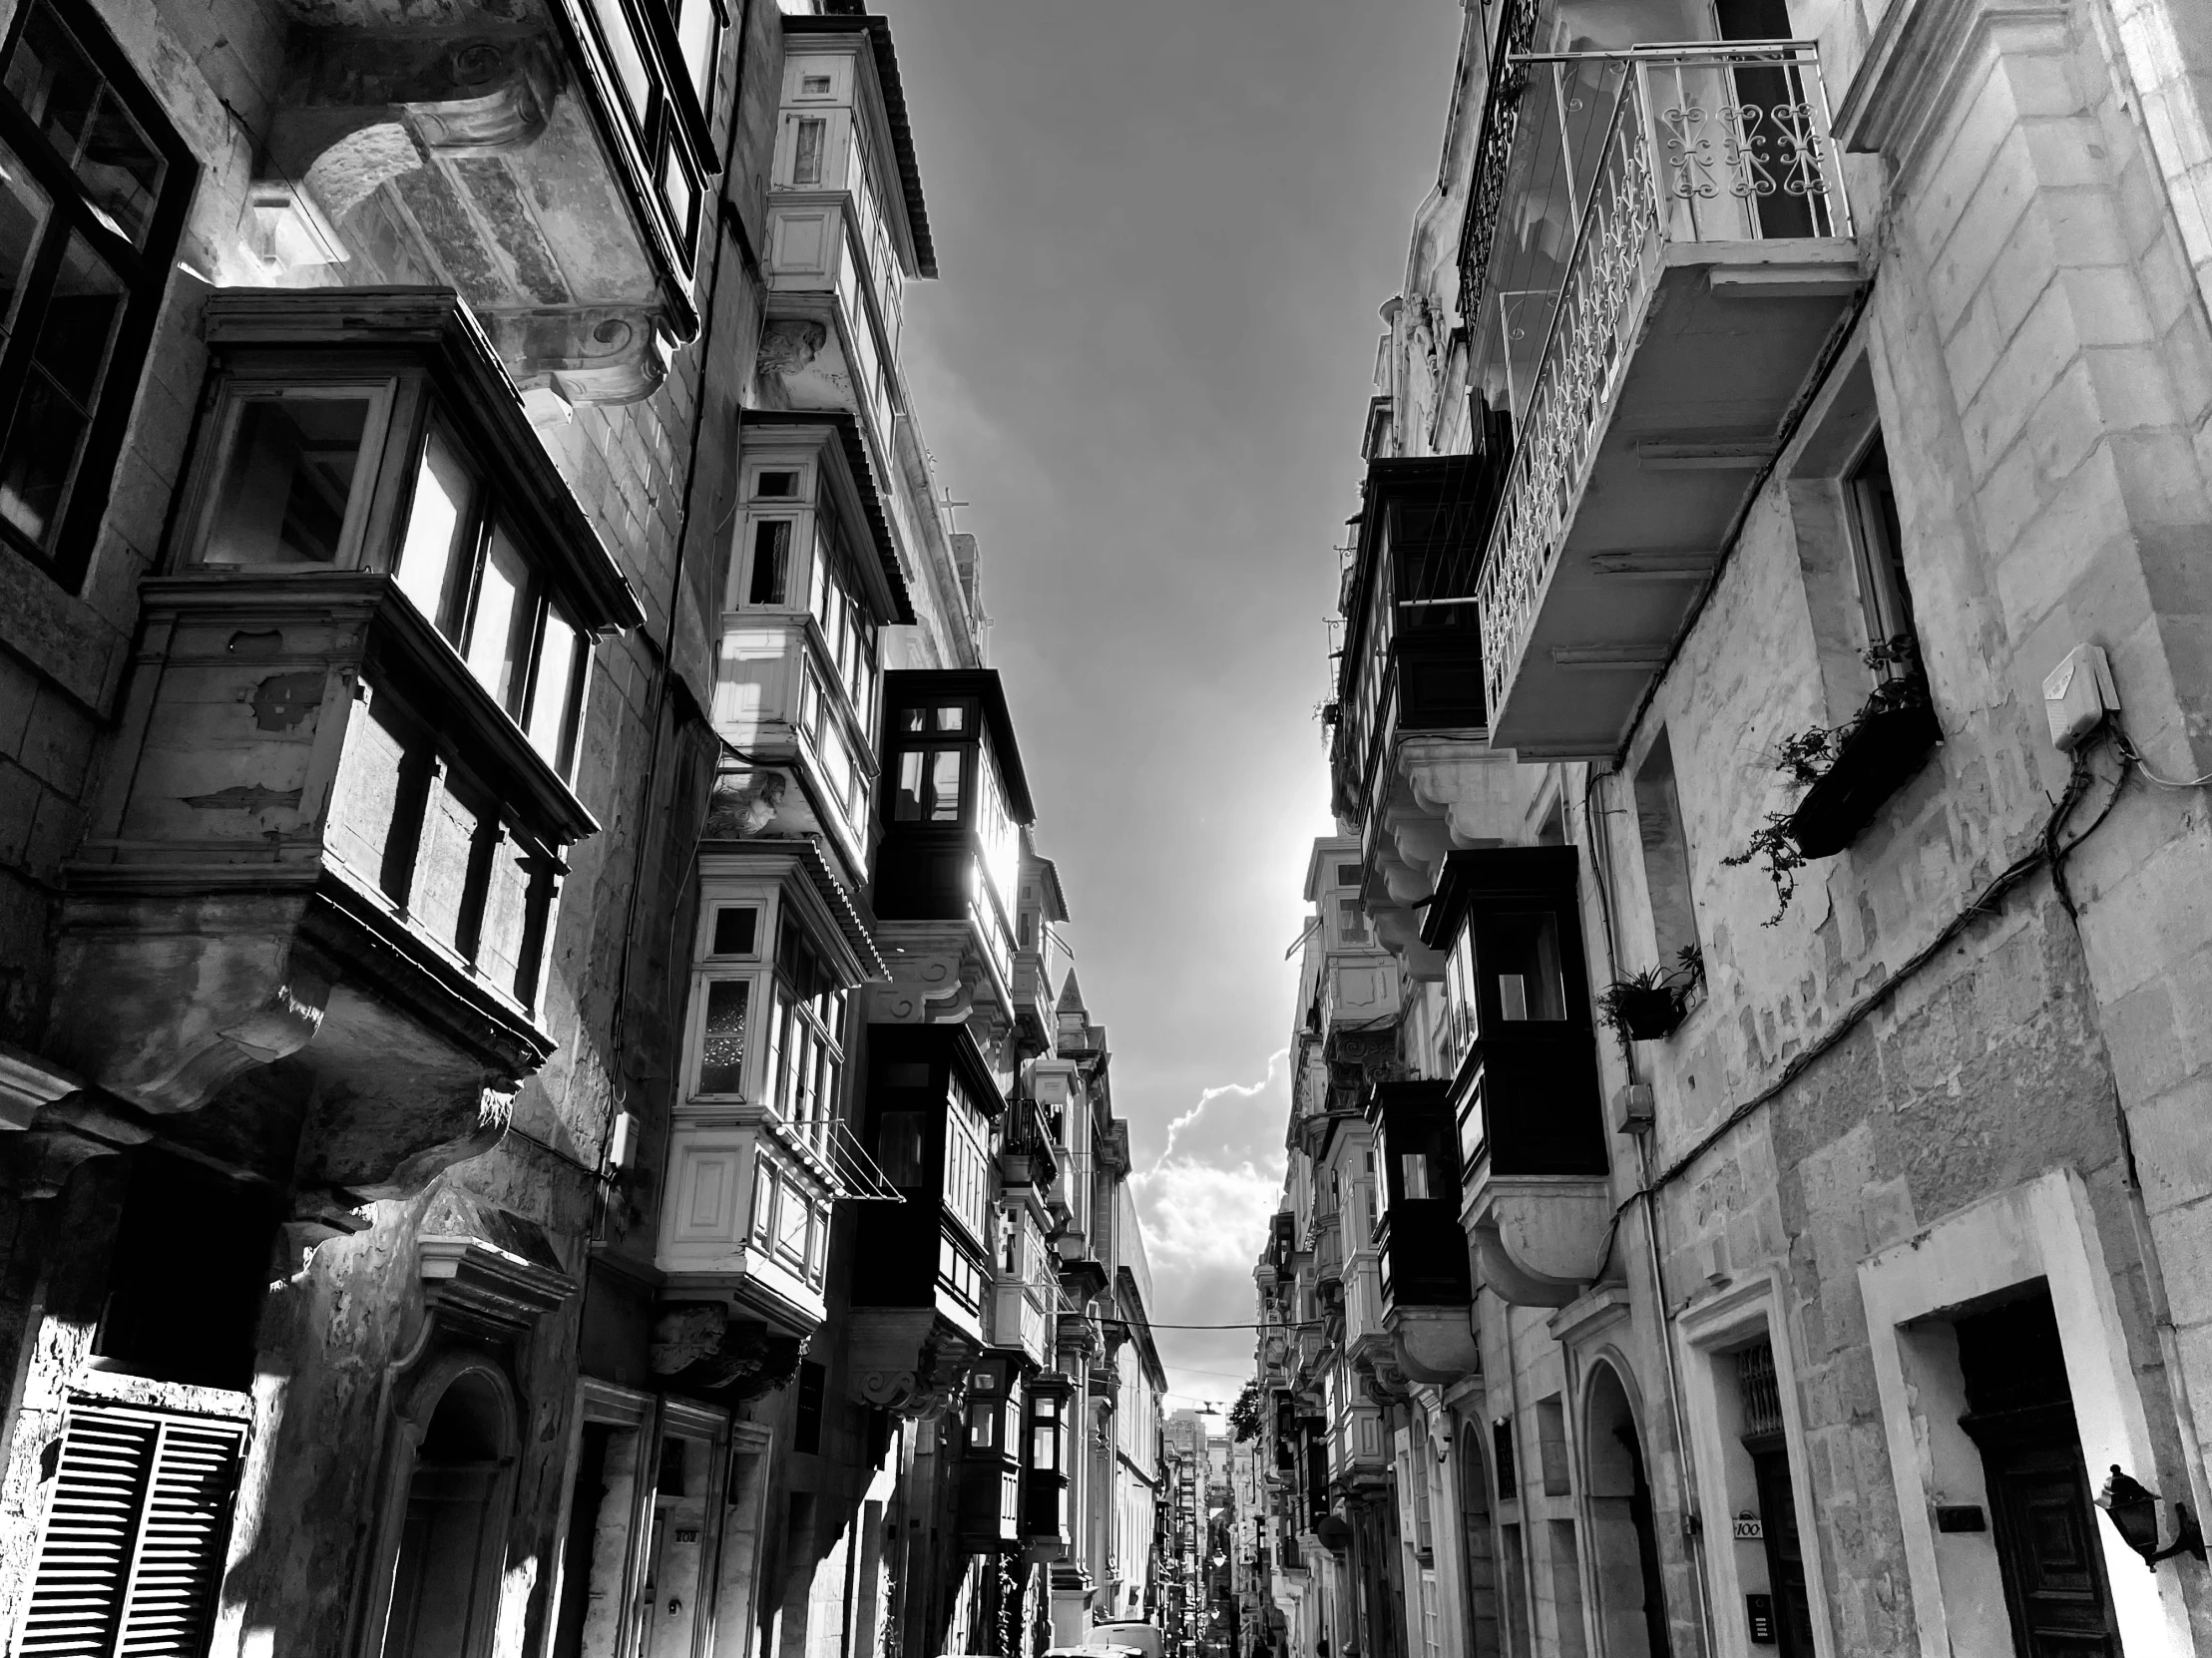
135,1538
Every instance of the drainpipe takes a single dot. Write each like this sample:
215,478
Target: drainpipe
1693,1531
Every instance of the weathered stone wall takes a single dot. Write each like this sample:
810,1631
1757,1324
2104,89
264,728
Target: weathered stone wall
2037,340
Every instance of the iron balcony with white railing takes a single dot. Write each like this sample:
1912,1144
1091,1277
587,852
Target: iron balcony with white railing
1659,258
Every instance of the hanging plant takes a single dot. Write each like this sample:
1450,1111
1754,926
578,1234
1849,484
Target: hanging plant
1847,771
1774,847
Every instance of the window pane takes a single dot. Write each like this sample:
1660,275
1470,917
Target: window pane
694,37
763,1201
899,1149
944,785
723,1036
96,136
908,806
806,164
283,494
552,721
623,55
675,189
771,563
777,484
735,926
1522,951
443,494
80,322
500,632
40,459
790,1228
23,210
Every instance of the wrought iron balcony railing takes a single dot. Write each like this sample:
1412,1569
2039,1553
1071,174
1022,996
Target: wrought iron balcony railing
1633,162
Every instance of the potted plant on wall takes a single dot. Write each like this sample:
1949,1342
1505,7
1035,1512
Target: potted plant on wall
1647,1006
1847,771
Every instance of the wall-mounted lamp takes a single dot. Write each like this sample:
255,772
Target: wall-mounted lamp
2133,1512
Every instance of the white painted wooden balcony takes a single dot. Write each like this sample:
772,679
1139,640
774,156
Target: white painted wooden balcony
1661,250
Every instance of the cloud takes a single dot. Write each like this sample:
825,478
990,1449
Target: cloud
1199,1215
1240,1091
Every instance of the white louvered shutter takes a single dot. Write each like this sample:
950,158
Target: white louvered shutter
135,1538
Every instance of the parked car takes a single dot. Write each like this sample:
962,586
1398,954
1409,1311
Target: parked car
1148,1638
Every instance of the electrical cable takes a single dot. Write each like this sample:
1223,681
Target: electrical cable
2136,758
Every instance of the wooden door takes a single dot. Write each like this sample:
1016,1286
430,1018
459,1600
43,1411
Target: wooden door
2047,1540
1785,1550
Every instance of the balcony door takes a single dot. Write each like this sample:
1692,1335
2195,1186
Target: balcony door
1772,122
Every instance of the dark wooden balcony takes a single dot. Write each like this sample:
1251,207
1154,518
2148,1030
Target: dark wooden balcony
1525,1095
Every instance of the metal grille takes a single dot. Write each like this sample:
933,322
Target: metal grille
1760,1391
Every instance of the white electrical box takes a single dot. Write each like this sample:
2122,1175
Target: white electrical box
2078,694
1633,1112
622,1145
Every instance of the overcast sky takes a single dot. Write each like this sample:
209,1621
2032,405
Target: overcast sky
1165,227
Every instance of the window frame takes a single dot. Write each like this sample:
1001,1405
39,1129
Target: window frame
676,120
143,269
1876,531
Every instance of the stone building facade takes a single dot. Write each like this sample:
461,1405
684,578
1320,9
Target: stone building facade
1767,744
542,1103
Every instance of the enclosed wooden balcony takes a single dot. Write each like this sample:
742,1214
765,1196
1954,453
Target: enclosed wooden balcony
1426,1291
847,228
334,838
922,1271
1659,252
1533,1189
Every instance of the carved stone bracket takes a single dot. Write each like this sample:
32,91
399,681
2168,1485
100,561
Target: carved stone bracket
700,1347
940,975
907,1360
1435,1345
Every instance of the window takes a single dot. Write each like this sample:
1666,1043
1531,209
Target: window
1413,1173
735,926
806,156
1351,922
187,1276
1878,556
1523,954
1461,1025
771,561
806,1053
723,1036
287,492
667,105
967,1163
930,773
699,27
462,564
1666,859
94,183
1348,875
134,1546
806,1414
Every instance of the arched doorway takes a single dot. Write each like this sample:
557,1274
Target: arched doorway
1478,1546
1624,1537
445,1583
